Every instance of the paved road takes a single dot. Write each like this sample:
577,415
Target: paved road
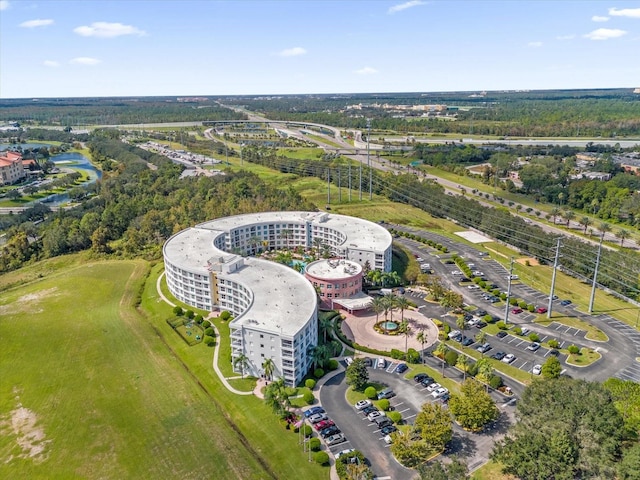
619,352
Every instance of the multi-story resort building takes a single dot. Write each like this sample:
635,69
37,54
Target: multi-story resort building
11,167
210,266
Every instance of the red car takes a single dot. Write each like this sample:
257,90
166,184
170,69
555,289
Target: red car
541,310
323,424
516,310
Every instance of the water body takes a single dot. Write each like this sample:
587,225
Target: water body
74,161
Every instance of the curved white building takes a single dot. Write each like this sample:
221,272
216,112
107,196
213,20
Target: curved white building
274,307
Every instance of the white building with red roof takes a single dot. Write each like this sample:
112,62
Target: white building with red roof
11,167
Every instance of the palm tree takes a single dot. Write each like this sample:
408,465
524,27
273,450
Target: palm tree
585,222
317,243
275,395
568,216
622,234
604,227
241,362
481,337
405,329
402,303
555,211
462,325
485,369
319,355
286,234
325,323
378,306
391,302
422,337
441,351
268,366
463,364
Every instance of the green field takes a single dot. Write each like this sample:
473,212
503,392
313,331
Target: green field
91,388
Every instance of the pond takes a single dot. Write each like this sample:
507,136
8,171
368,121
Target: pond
73,161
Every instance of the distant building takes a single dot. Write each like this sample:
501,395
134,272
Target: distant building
11,167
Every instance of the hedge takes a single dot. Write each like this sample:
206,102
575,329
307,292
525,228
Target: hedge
321,458
395,417
451,357
310,383
314,444
371,392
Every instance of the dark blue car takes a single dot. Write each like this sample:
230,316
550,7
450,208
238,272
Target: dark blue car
401,368
313,411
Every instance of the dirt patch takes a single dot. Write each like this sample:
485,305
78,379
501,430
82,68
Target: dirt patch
532,261
27,304
21,425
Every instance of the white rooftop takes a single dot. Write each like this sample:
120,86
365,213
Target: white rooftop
333,269
190,249
359,233
283,299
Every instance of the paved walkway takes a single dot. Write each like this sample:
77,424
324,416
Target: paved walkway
358,328
216,350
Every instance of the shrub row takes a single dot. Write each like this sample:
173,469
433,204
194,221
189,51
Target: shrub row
418,238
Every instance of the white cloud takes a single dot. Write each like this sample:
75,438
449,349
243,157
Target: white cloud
598,18
108,30
292,52
605,34
566,37
366,71
534,44
4,4
84,61
403,6
37,23
625,12
51,63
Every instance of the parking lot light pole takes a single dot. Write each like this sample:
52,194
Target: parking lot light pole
506,308
553,278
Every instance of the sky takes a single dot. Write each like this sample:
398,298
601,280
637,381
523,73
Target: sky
88,48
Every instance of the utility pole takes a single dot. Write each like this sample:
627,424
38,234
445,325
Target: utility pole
340,184
368,158
360,197
328,187
553,277
595,274
506,308
349,179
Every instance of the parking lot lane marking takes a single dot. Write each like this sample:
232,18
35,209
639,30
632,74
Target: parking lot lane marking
563,371
558,327
405,410
521,367
410,416
577,332
520,343
563,342
398,404
544,338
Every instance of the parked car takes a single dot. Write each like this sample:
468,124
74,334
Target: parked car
388,440
317,417
541,310
373,415
368,362
498,355
382,422
466,341
564,303
454,333
313,411
336,439
481,324
480,313
419,376
381,363
473,287
508,358
501,334
433,387
401,368
444,398
388,430
386,393
554,352
348,360
427,381
362,404
439,392
533,346
323,424
457,338
369,409
327,432
484,348
537,369
344,452
516,310
524,331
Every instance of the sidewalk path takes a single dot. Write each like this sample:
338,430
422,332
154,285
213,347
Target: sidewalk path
216,350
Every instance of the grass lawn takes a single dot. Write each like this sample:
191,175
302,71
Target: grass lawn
436,374
491,471
584,358
99,390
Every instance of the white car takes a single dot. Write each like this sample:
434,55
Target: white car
456,272
348,360
388,440
336,439
344,452
318,417
537,369
381,363
439,392
433,387
373,415
478,273
508,358
362,404
473,287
